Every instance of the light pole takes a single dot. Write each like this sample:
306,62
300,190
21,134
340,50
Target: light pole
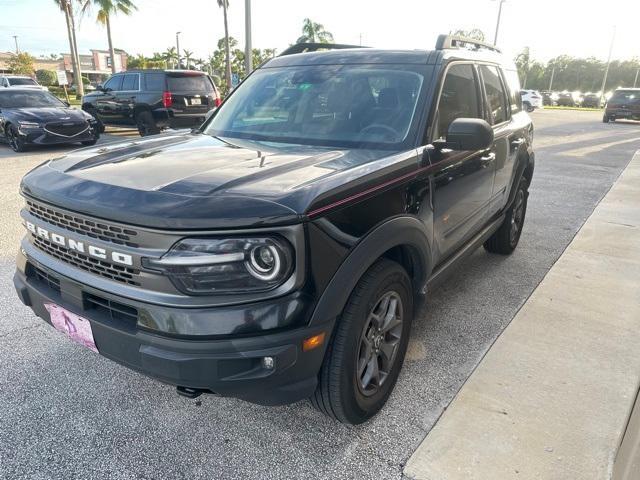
606,70
635,80
553,72
248,56
495,38
15,39
178,48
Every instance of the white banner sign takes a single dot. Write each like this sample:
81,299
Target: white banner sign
62,77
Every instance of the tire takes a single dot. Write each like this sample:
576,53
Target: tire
90,143
94,113
146,124
605,119
505,240
528,107
15,142
343,391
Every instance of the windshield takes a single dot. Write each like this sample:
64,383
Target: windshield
33,99
345,105
20,81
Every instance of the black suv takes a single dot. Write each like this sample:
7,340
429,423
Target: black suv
153,99
280,252
623,104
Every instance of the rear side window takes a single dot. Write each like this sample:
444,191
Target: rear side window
495,94
154,82
459,98
21,81
130,82
189,83
114,83
513,84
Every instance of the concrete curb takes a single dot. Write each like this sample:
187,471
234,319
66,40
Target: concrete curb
551,398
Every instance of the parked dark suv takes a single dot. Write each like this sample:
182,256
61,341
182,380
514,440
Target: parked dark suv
281,251
623,104
153,99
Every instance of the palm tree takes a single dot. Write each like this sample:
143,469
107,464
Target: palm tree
187,57
65,7
314,33
105,9
224,4
170,55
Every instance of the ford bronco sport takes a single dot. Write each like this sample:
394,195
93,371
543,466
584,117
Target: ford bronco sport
280,251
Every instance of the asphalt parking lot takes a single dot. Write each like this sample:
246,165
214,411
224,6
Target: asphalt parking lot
68,413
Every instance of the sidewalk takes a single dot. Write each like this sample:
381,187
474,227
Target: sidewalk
552,397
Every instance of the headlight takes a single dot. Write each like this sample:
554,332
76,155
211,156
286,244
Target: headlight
29,125
206,266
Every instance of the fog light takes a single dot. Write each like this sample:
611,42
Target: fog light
268,362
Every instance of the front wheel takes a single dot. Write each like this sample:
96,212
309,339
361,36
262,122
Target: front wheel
505,239
16,142
365,355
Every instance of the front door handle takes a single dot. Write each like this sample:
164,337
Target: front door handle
486,160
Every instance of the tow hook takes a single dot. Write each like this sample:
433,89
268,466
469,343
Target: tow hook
190,392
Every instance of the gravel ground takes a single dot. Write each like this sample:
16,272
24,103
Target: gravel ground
67,413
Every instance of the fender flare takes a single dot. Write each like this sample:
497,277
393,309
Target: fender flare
526,159
398,231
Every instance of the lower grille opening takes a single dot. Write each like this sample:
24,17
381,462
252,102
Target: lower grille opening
116,310
43,277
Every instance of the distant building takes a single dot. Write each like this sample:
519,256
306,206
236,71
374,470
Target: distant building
96,66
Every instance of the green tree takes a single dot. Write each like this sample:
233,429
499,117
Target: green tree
188,55
170,56
224,4
21,64
314,33
106,8
66,8
46,77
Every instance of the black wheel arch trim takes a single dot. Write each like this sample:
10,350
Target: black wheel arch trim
526,161
405,231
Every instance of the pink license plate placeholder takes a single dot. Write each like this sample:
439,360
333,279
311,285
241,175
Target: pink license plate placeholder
74,326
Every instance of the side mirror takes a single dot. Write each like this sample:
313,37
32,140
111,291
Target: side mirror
469,134
67,104
100,87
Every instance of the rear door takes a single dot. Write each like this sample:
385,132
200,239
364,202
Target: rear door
463,179
191,92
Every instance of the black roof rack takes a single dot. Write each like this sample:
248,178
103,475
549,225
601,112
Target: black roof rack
451,41
312,47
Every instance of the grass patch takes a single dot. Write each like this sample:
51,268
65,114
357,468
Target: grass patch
580,109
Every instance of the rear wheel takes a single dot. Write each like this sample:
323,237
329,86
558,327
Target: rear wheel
605,119
528,107
146,124
368,346
505,239
16,142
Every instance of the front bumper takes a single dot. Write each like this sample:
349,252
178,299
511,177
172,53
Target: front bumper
230,365
40,136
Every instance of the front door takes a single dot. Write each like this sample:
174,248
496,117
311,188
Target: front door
107,102
463,180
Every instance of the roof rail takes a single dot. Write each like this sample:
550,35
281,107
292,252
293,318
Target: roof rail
312,47
451,41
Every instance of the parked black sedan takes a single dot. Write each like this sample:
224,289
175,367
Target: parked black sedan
36,117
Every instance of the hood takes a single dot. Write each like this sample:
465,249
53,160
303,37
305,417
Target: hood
48,114
192,180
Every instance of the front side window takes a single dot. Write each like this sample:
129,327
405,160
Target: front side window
333,105
114,83
458,99
496,96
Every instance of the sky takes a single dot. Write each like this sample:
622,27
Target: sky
548,27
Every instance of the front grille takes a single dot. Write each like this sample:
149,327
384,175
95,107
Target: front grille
73,223
94,265
66,129
43,277
115,310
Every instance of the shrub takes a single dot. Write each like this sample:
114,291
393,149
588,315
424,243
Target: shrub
46,77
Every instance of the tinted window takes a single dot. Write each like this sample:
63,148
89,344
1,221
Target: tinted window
154,81
495,94
130,82
189,83
114,83
459,98
626,96
334,105
31,99
513,84
21,81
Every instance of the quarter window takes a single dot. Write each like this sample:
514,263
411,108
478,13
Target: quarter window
155,82
513,84
496,96
459,98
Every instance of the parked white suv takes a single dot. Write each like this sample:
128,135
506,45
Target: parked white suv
531,99
19,81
